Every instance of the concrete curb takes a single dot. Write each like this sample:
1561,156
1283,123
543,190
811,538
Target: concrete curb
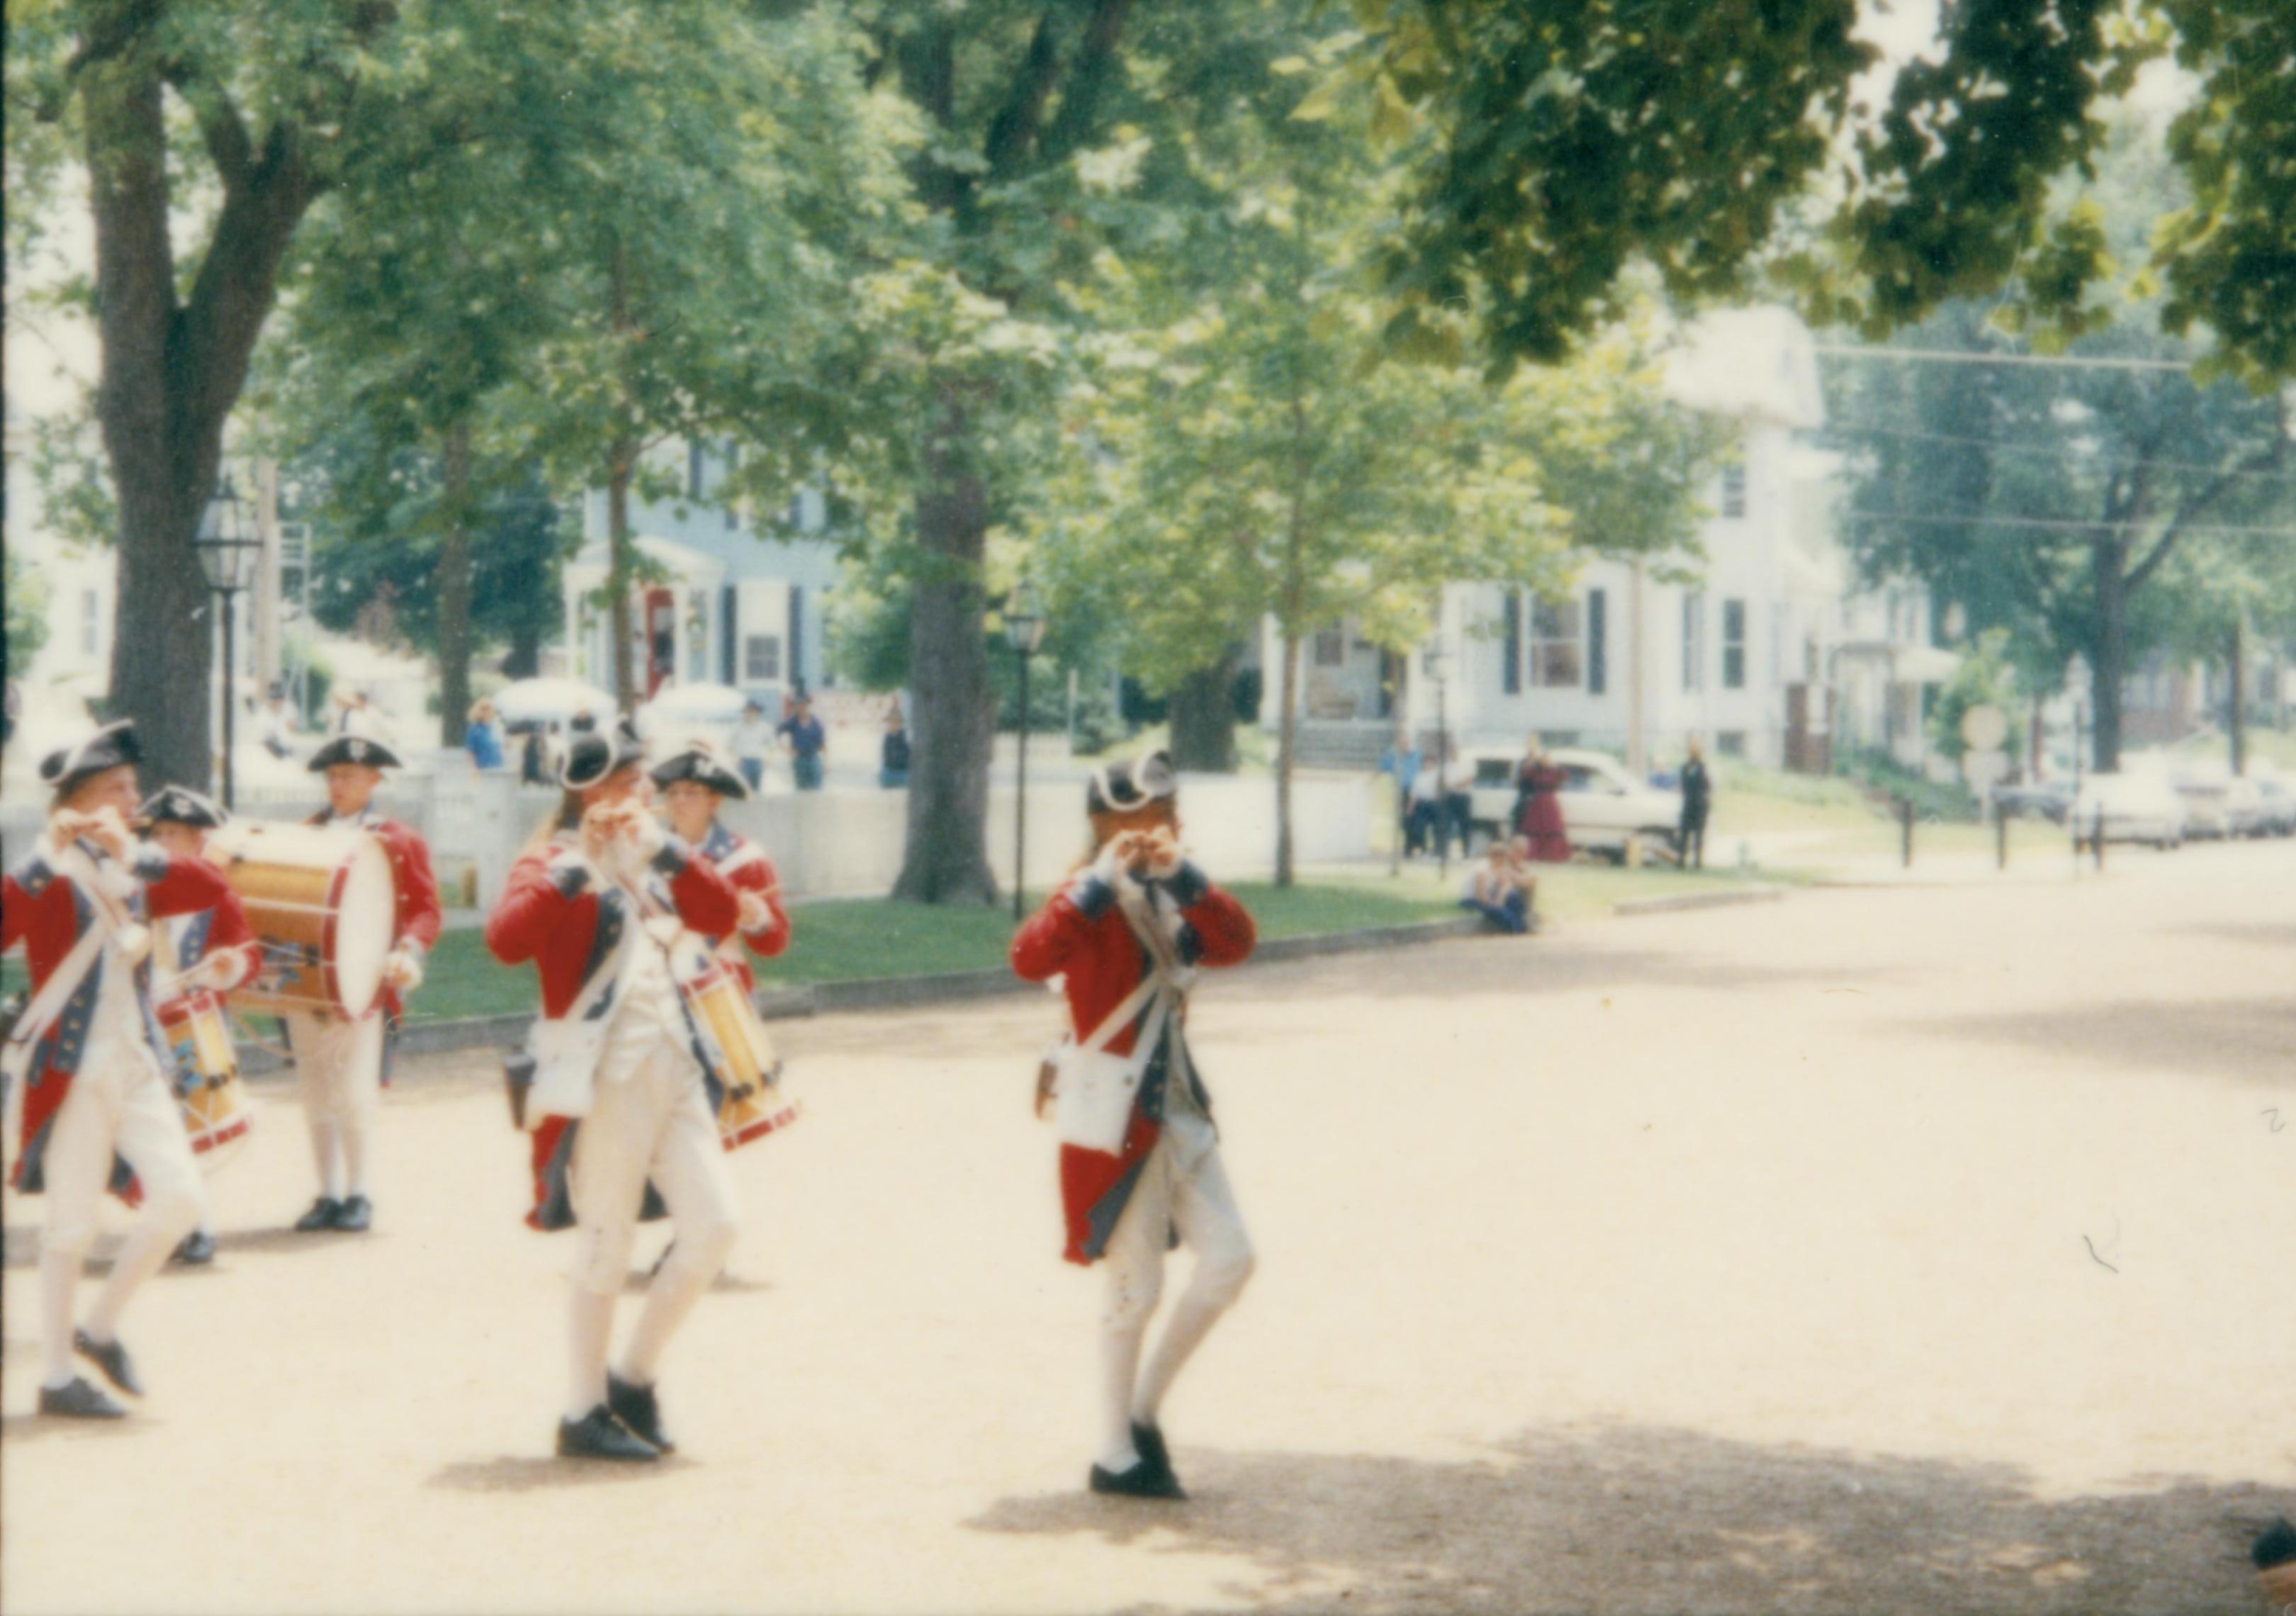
888,992
1723,899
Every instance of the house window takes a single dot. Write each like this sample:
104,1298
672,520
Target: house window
761,656
1510,666
91,622
1557,646
1331,647
1693,640
1734,644
1734,489
1730,743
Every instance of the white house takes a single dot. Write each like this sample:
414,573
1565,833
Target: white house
733,606
1768,655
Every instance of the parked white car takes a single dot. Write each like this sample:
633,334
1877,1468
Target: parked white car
2245,813
2279,800
2207,803
2136,808
1602,804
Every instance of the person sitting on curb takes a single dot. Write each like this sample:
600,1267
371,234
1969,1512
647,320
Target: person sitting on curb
1499,891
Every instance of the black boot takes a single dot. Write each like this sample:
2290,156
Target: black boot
599,1435
112,1358
1143,1481
79,1400
1149,1442
637,1408
320,1218
197,1247
353,1216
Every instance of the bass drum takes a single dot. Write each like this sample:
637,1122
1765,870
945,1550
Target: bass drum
320,901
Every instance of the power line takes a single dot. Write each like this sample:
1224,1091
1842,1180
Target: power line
2057,523
2011,448
1946,356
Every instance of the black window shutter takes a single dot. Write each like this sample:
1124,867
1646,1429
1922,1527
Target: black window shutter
728,642
1510,672
1597,643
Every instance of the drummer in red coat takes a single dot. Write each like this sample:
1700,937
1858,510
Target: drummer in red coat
343,1064
693,782
99,1109
1140,1161
209,950
619,1097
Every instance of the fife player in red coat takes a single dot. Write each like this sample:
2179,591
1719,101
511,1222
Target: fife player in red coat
1140,1162
343,1064
100,1107
620,1100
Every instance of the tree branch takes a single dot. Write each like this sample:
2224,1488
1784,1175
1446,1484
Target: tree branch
220,125
1013,130
1089,78
2195,507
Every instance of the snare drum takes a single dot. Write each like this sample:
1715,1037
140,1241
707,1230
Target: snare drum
753,1105
216,1111
319,900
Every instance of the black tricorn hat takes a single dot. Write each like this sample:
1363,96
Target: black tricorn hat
353,748
592,757
109,747
181,805
1119,788
699,761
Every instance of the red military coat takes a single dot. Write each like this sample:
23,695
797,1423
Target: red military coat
743,863
48,914
414,889
1081,936
552,914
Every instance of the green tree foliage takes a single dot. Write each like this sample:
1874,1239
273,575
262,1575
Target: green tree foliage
1554,145
28,614
1985,679
1240,448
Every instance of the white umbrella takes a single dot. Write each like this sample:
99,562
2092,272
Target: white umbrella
691,709
553,701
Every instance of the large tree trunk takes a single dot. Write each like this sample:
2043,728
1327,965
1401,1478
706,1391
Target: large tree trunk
453,587
621,556
525,658
2110,558
171,373
1203,718
953,713
2237,720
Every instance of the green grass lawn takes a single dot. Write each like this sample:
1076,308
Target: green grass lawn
1566,891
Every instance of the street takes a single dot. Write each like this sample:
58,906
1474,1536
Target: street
1921,1251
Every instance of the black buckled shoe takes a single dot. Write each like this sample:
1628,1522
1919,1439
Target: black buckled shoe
79,1401
196,1248
637,1408
112,1357
354,1216
1143,1481
320,1218
1149,1442
599,1435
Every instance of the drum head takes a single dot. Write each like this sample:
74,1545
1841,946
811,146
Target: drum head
365,910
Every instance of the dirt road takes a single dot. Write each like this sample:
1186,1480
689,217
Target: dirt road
1914,1251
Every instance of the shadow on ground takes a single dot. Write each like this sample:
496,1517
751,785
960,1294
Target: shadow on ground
1620,1521
521,1473
2250,1038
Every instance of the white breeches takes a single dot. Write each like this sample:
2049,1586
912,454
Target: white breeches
338,1065
1182,1186
650,1121
119,1102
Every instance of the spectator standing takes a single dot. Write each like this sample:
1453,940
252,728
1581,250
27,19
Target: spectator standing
1458,814
1424,795
893,769
806,740
1539,809
752,741
483,740
275,722
1697,799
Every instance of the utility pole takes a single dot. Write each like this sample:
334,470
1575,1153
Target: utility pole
2237,720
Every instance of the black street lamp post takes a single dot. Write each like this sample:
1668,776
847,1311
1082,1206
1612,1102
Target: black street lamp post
1024,632
228,553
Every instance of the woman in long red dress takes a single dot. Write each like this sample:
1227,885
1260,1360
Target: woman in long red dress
1539,811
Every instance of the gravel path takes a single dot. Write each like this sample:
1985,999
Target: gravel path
1920,1252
